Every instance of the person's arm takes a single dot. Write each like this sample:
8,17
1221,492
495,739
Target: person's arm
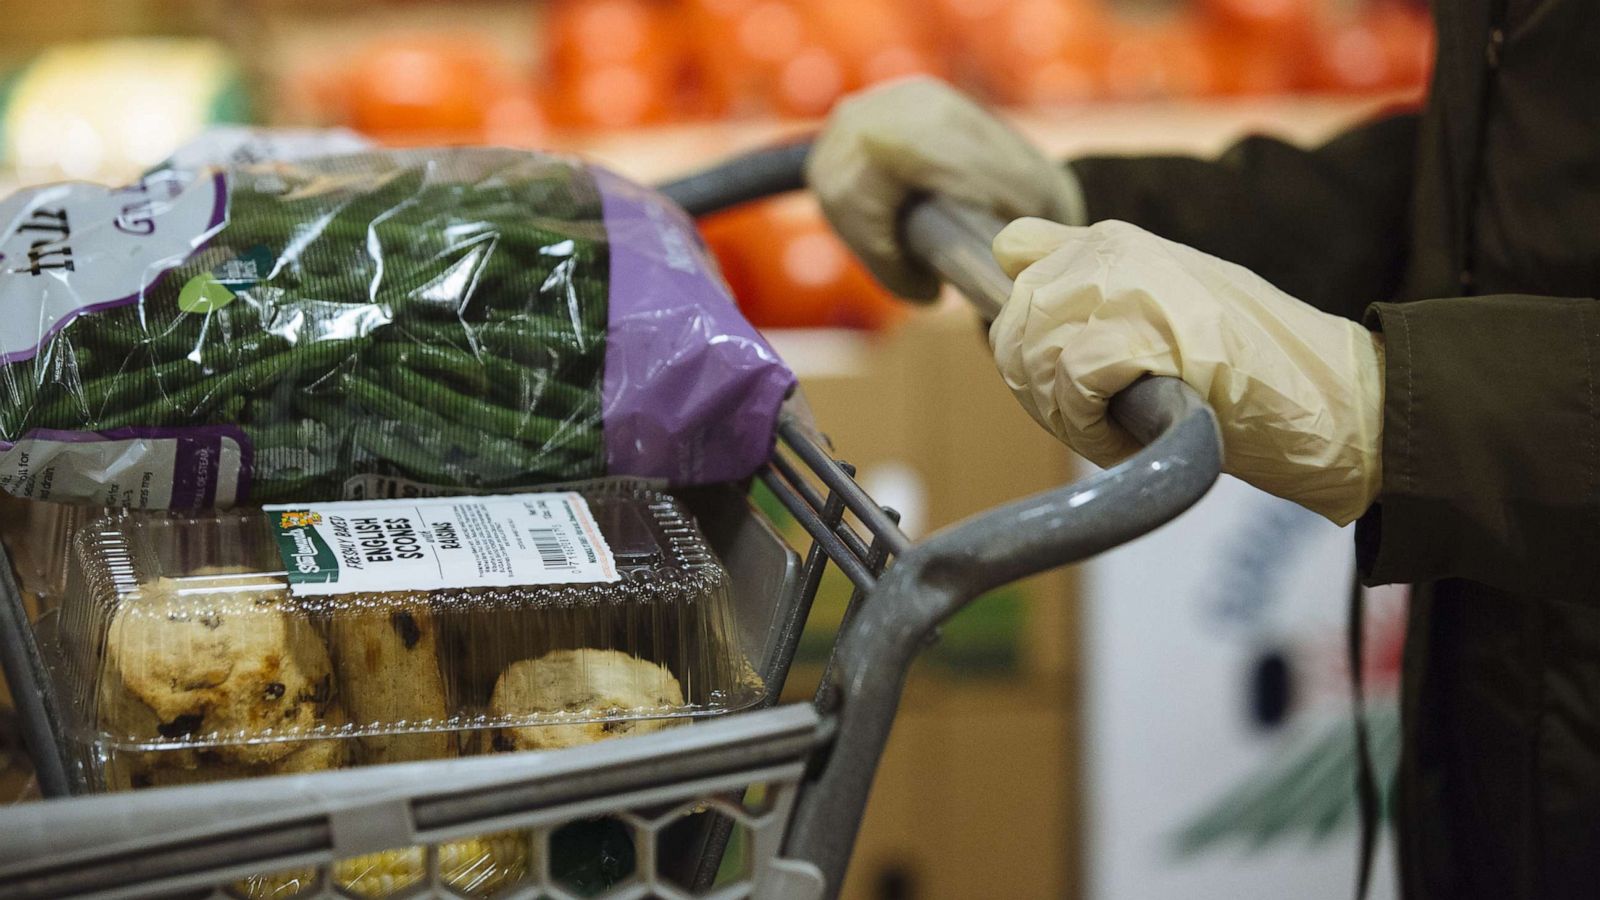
1328,224
1491,444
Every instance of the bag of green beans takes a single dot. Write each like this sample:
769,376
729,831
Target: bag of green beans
373,323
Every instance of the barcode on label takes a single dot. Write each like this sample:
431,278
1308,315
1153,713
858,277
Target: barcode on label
551,551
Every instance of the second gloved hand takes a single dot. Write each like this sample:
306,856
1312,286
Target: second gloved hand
1298,392
920,135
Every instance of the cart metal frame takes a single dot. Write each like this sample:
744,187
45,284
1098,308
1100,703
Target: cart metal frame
793,779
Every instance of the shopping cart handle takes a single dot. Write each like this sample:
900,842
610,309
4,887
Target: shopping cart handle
950,238
763,173
936,577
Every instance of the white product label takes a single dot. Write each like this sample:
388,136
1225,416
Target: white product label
71,249
141,468
440,543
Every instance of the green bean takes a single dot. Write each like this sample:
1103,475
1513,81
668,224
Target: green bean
517,457
19,392
296,488
529,386
502,330
64,357
174,408
317,408
539,390
106,331
118,390
121,336
495,419
548,323
508,322
111,391
482,469
180,343
414,461
287,434
456,364
232,409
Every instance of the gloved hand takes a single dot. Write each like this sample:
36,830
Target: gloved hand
1298,392
919,135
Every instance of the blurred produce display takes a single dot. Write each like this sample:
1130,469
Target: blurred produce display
619,64
585,74
596,67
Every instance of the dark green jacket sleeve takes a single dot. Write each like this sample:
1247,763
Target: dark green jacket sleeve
1491,444
1325,224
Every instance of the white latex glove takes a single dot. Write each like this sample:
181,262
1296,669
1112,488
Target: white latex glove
1298,392
920,135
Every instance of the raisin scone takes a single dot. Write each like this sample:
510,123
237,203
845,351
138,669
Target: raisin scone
303,757
387,660
170,768
222,656
576,680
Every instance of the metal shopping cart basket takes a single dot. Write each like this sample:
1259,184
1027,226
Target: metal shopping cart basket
792,780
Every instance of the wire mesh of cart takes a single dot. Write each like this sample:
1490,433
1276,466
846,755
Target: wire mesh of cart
765,803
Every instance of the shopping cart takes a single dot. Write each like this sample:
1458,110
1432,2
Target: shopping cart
791,780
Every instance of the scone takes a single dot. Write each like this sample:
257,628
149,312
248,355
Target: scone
312,756
387,660
221,656
125,717
576,680
303,757
170,768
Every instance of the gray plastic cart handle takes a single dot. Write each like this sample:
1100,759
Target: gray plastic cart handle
937,577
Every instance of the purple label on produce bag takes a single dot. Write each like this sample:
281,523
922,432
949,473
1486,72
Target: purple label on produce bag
143,468
692,391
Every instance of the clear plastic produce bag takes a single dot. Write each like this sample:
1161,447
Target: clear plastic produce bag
365,325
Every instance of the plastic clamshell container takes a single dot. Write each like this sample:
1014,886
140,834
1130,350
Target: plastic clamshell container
37,535
188,658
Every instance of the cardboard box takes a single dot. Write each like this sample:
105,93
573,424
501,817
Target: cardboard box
971,800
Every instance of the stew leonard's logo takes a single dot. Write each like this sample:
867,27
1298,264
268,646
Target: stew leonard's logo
306,556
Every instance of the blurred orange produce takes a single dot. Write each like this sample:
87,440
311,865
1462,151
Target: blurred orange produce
1256,63
1041,51
743,48
1287,22
798,57
615,63
876,40
426,87
1164,60
788,270
1389,47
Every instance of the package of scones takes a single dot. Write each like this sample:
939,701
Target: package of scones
200,647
